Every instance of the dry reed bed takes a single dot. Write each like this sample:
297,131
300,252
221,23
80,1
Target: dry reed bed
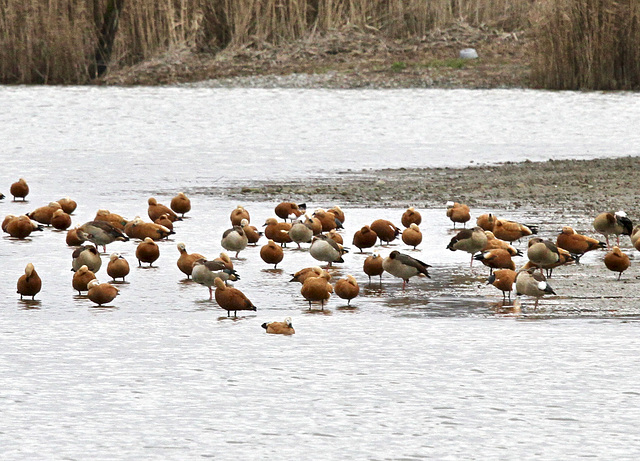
579,43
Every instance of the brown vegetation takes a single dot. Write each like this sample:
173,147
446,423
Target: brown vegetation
587,44
411,41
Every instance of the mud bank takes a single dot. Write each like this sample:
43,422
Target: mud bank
549,194
554,186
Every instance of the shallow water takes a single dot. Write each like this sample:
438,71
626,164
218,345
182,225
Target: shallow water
441,370
228,135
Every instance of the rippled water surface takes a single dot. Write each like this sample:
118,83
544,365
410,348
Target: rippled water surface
441,370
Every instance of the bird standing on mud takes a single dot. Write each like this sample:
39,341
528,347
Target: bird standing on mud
532,284
613,224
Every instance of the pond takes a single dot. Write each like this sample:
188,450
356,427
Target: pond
440,370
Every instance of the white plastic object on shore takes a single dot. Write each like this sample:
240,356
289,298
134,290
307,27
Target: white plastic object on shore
468,53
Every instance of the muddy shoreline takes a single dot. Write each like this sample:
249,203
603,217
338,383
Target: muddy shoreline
553,186
552,194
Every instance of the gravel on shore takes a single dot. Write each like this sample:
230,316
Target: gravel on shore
589,186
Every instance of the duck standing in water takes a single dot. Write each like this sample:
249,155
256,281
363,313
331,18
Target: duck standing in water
231,299
404,266
30,283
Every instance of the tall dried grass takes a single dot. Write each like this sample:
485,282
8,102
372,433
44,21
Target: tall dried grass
587,44
56,41
45,41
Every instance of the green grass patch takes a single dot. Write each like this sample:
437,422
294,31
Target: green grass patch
398,66
453,63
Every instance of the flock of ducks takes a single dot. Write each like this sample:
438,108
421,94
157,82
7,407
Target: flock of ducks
489,242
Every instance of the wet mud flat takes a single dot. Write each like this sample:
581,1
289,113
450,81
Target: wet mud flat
551,194
591,186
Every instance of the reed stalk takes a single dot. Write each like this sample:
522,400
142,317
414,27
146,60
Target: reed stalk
587,44
579,43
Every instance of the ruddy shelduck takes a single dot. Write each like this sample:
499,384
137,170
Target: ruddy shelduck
139,229
314,224
238,214
458,213
496,259
372,266
101,293
29,284
186,260
118,267
317,289
279,328
155,210
20,227
494,243
385,230
327,219
347,288
511,231
412,236
617,261
224,259
277,231
147,251
338,213
68,205
635,237
575,243
112,218
231,299
503,280
19,189
7,219
252,233
304,274
271,253
165,221
486,221
335,236
60,220
364,238
81,279
290,210
44,214
411,216
180,204
73,239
